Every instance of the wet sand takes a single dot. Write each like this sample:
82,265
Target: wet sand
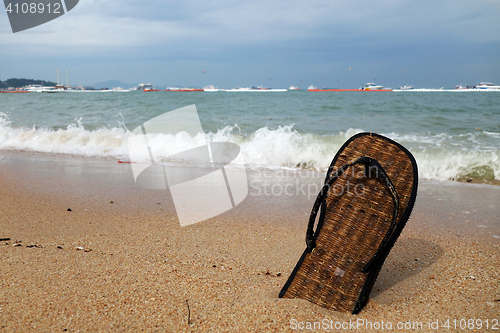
119,260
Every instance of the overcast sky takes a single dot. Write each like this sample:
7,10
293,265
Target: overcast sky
272,43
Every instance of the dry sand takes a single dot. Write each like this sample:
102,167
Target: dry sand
138,269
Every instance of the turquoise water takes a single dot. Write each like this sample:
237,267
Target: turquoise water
452,135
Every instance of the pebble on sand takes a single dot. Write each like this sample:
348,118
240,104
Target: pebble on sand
80,248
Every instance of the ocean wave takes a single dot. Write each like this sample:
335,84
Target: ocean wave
74,140
439,157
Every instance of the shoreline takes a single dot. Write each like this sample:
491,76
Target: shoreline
461,180
138,266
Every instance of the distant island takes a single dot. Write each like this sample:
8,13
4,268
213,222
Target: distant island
19,83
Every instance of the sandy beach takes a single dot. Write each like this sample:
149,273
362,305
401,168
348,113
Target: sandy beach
91,251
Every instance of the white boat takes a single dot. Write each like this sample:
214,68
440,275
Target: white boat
145,86
120,89
312,87
254,89
487,85
210,88
238,89
405,87
294,88
371,86
40,88
37,88
456,90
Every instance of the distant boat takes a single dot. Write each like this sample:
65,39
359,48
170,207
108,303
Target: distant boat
294,88
372,86
311,87
487,85
37,88
144,86
254,89
210,88
60,87
406,87
333,89
183,89
120,89
239,89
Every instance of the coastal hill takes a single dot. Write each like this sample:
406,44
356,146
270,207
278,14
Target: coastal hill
18,83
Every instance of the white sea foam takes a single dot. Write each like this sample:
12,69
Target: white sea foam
439,157
73,140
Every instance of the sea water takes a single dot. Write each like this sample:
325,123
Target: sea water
452,135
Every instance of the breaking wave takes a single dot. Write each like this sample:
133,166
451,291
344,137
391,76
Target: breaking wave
439,157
